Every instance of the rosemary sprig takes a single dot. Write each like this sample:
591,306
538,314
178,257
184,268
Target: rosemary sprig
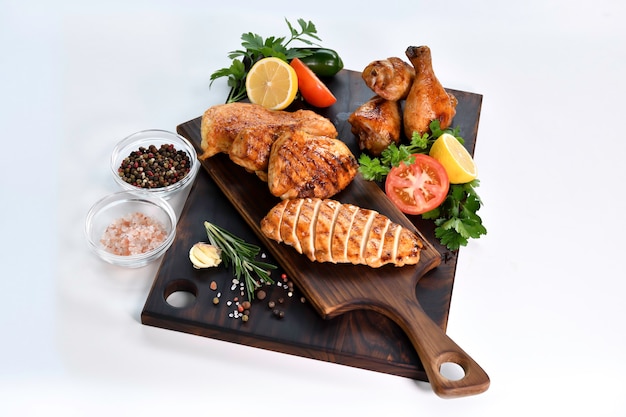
242,255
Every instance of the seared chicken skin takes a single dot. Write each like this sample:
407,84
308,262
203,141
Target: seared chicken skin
427,100
247,131
328,231
377,124
390,78
305,165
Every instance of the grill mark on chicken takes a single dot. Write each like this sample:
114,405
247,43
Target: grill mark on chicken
406,250
293,170
343,224
251,149
373,246
335,165
341,233
303,165
325,230
305,227
360,234
288,225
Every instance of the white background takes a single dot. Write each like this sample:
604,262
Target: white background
538,302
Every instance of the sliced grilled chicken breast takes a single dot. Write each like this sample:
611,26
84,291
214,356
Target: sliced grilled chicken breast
326,230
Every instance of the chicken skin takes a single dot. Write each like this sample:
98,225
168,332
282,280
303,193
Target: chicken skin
247,131
389,78
305,165
427,100
377,124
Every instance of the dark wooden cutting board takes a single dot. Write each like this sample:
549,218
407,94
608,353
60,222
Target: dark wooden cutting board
237,200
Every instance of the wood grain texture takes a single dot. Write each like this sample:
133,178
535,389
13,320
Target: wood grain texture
351,298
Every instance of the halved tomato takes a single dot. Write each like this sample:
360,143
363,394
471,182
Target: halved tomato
313,90
418,187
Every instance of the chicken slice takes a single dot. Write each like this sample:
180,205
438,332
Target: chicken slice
427,100
288,224
341,231
377,123
390,78
372,250
306,226
324,229
274,220
357,235
304,165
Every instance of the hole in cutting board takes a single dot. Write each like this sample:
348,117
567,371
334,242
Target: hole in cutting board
452,371
180,293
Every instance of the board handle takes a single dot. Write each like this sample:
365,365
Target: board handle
435,348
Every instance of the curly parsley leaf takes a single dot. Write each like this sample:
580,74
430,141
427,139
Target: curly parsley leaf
256,48
455,219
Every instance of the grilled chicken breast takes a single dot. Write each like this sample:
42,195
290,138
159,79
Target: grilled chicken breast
427,100
305,165
377,123
326,230
247,131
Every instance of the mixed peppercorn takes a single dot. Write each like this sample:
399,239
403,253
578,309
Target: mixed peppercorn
154,167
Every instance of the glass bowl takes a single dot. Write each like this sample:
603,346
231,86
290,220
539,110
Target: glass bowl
155,137
116,206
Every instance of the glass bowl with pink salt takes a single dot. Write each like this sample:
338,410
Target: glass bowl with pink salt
130,230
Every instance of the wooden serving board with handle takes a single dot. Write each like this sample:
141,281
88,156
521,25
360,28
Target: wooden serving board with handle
336,289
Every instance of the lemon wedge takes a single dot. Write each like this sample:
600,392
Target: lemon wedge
457,161
272,83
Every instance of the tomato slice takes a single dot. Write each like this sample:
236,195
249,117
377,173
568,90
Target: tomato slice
418,187
313,90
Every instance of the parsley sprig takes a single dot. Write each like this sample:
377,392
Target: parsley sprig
376,169
256,48
242,255
456,219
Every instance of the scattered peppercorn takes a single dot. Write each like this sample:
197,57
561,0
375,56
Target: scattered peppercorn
154,167
213,285
216,300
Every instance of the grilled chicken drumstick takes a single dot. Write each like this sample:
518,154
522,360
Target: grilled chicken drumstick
389,78
427,100
377,123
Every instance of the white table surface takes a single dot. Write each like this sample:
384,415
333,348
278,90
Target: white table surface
538,302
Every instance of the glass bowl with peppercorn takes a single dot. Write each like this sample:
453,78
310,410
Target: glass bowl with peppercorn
130,230
157,162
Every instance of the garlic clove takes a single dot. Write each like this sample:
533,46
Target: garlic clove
204,255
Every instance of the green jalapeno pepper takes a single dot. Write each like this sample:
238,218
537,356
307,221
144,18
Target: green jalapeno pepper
323,62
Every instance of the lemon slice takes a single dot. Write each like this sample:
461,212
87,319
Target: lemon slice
272,83
455,159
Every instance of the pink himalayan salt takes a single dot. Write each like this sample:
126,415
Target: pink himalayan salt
133,234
